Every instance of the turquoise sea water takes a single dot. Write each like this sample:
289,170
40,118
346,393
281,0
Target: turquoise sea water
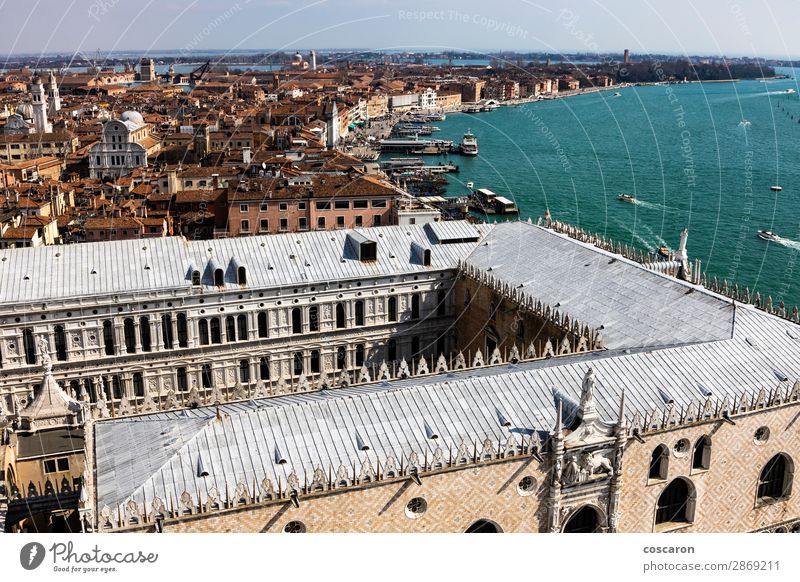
682,150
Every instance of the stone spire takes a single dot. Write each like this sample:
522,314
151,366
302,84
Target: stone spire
51,407
589,426
684,272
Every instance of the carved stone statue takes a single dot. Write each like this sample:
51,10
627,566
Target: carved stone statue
44,351
595,463
587,395
571,471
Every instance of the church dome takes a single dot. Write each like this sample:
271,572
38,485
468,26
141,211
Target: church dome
25,110
133,116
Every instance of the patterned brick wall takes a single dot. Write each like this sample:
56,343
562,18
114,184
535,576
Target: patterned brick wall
726,492
455,499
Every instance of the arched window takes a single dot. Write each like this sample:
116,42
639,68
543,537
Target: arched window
297,320
196,278
392,309
520,329
263,368
359,312
441,305
340,317
241,327
130,335
90,390
108,337
467,297
585,520
29,345
202,327
183,331
659,462
484,526
219,277
166,330
230,329
244,371
183,385
116,387
262,324
315,367
298,363
216,332
415,306
138,385
426,258
676,503
341,358
360,355
775,480
206,377
701,457
313,318
492,310
144,332
61,343
391,350
415,346
241,276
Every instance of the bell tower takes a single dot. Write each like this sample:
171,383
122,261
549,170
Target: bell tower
40,106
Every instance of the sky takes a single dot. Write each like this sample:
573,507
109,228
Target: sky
709,27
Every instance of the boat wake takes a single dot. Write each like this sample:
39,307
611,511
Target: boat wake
644,236
654,206
789,244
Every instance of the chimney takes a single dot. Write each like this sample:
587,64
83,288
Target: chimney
172,181
215,181
246,158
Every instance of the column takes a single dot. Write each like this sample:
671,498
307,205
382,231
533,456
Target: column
119,342
156,337
174,326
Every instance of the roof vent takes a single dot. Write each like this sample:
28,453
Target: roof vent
279,458
502,419
360,443
666,396
430,433
704,390
780,376
201,470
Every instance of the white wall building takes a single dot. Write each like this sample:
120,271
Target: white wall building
125,145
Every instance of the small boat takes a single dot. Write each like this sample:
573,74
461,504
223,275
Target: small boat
626,198
744,123
768,235
790,91
618,94
776,188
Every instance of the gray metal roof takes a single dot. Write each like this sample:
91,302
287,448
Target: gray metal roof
637,307
107,268
157,455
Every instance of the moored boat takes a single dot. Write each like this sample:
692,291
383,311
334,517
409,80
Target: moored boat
626,198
